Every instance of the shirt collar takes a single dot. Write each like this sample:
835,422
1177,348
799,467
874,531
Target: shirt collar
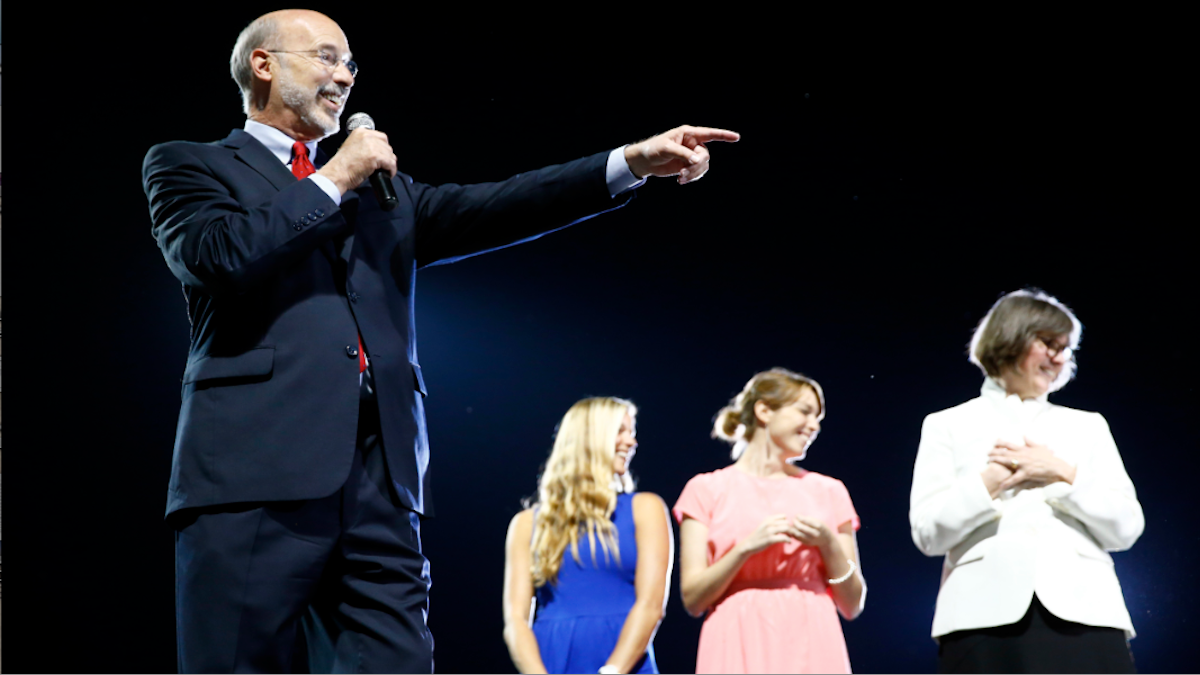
279,143
994,391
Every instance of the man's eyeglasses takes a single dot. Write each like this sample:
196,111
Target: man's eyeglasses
323,57
1054,348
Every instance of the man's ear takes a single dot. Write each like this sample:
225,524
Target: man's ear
260,65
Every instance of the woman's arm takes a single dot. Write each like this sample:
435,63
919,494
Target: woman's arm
655,557
1101,495
945,507
701,584
518,595
838,550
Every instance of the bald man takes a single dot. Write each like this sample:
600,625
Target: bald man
301,465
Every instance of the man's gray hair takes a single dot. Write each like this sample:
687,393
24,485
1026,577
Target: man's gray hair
261,33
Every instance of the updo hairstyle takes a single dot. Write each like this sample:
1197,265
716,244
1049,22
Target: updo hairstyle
777,387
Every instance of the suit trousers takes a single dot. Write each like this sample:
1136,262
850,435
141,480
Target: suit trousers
337,584
1039,643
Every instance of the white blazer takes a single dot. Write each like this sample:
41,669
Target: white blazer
1049,540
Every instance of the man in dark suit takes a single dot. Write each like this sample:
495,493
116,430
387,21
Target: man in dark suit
300,471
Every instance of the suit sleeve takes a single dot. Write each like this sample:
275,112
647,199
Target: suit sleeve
1102,496
944,507
213,242
457,221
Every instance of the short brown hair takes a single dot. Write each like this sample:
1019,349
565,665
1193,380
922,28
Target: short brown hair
776,387
1013,323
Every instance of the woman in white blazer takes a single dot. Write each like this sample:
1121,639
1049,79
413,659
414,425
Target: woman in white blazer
1024,498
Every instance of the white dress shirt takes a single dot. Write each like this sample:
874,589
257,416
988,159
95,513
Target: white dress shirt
616,172
1050,540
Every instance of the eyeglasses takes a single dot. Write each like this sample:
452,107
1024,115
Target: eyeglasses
325,58
1053,350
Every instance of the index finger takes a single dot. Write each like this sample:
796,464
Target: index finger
705,134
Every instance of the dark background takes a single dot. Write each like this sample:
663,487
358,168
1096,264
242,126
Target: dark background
887,189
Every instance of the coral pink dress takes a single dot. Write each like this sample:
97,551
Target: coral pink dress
777,616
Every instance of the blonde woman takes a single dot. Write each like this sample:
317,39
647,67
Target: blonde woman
767,548
591,560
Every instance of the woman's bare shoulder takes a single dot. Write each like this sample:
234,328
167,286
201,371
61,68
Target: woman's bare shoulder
521,523
648,505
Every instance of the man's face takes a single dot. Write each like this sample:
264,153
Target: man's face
312,92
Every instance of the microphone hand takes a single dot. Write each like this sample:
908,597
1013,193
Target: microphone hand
381,183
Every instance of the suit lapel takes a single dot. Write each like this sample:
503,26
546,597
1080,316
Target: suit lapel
258,157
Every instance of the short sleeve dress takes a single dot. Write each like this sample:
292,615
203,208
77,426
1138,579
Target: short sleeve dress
778,615
578,619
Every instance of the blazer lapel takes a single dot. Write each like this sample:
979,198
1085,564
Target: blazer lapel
258,157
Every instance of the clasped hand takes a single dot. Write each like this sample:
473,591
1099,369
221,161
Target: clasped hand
678,152
779,528
1030,465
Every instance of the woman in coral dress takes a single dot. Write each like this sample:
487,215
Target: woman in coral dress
767,549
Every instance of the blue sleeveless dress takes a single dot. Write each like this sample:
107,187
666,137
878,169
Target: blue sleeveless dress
578,620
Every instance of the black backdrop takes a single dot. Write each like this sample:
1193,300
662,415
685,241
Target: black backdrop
884,194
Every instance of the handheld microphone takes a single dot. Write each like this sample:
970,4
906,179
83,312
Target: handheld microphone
381,182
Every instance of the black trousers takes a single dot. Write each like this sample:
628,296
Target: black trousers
1039,643
337,584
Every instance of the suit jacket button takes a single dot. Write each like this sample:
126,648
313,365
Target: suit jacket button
297,227
354,297
319,213
352,351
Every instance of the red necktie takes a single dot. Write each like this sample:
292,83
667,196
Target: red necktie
302,168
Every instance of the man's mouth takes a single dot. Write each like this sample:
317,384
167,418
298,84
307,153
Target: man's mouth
335,99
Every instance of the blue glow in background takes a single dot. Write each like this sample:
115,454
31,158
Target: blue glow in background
884,194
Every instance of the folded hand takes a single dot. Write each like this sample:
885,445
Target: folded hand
1032,464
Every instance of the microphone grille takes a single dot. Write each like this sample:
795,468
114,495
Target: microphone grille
359,120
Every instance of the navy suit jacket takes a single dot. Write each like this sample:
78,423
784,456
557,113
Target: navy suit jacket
280,282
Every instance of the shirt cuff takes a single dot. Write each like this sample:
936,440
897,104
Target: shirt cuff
329,188
618,175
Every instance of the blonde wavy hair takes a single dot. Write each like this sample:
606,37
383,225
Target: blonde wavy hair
577,491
